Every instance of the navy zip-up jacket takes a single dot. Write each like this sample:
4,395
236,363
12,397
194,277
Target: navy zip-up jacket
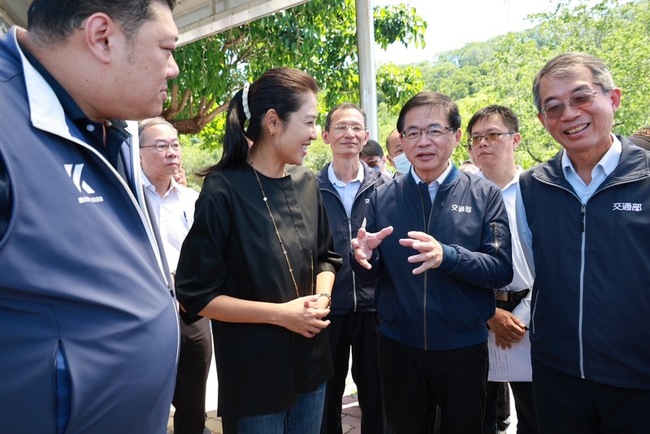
348,294
446,307
591,297
82,276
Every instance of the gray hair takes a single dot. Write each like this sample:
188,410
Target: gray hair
146,123
569,64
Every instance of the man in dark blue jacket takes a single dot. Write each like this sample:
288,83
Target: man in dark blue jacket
346,184
88,323
438,241
584,222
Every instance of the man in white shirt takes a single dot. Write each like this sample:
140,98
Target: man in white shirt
493,138
172,206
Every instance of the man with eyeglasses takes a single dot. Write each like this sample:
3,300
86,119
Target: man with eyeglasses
172,206
583,224
437,240
493,138
346,185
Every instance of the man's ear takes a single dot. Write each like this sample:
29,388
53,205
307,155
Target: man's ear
325,135
516,140
615,97
99,32
458,135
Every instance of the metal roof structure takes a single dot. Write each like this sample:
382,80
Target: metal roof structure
198,19
195,19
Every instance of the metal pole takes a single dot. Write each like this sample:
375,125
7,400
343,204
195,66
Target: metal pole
367,74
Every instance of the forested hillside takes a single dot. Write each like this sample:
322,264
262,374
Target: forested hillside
501,70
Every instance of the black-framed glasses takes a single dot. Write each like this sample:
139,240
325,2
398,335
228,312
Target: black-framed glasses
163,146
579,101
489,137
343,128
433,132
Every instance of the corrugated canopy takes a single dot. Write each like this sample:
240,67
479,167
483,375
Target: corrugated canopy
195,19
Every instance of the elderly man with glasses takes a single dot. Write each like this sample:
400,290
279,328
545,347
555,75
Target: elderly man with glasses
437,240
582,219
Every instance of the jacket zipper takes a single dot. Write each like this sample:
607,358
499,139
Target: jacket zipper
425,222
583,221
354,276
362,189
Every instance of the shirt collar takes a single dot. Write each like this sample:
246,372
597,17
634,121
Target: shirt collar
337,182
175,186
607,163
439,180
93,131
514,180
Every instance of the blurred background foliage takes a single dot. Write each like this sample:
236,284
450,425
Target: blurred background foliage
320,38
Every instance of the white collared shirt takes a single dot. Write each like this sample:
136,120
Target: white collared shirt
599,173
347,192
174,214
433,186
605,166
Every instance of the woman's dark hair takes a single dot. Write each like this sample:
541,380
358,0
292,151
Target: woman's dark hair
433,99
281,89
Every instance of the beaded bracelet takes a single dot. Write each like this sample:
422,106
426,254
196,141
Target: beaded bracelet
329,298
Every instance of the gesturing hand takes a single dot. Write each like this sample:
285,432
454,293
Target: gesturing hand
430,250
366,242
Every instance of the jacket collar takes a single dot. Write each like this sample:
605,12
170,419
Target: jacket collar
370,176
452,176
633,165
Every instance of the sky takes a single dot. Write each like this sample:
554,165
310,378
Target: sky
454,23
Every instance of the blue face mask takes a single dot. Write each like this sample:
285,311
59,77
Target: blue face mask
402,164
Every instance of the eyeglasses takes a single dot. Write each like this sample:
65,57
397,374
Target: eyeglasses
413,134
489,137
163,146
342,128
579,101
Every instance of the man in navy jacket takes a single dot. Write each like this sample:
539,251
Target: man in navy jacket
346,185
585,227
438,241
88,323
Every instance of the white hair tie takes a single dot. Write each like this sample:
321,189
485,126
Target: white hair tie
244,101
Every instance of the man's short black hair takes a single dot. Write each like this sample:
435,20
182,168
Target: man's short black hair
53,21
371,149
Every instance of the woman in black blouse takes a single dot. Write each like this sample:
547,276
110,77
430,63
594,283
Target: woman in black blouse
259,261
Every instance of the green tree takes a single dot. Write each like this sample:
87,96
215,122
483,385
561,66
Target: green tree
501,70
319,37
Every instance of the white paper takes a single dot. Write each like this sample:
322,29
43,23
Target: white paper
511,364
